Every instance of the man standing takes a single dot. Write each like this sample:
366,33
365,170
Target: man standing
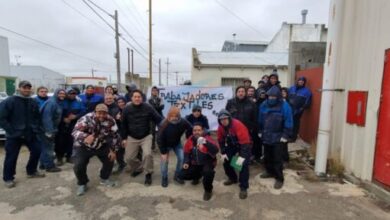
90,99
299,97
158,105
275,123
20,118
95,134
200,160
51,117
41,95
197,117
136,134
234,139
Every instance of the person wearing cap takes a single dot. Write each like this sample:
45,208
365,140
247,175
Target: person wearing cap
52,112
136,134
91,99
158,105
234,139
73,109
299,97
95,134
197,117
21,120
247,83
200,159
169,138
41,95
275,129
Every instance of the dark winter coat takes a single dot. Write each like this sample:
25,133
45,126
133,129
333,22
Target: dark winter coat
196,155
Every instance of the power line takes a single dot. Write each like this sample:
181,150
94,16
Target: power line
50,45
136,10
127,32
239,18
100,8
94,11
134,21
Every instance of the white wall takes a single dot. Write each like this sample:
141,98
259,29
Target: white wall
212,76
4,57
358,66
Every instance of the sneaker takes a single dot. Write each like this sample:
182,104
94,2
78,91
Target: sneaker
278,184
229,182
195,182
207,196
81,190
119,169
9,184
178,180
136,173
243,194
37,174
53,170
60,162
266,175
108,183
164,182
148,179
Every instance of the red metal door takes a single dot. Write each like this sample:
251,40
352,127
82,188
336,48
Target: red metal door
382,152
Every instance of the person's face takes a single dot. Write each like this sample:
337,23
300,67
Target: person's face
90,90
25,90
61,95
197,131
196,113
137,98
284,94
263,96
240,93
121,104
251,92
260,85
173,118
273,80
247,84
101,115
42,93
108,99
109,90
154,92
265,78
301,83
72,95
225,122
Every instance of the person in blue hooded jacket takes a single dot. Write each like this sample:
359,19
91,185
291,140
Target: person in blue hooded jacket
90,99
299,97
51,112
275,128
73,109
42,96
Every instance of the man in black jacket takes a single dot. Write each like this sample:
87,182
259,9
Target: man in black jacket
136,133
158,105
20,118
197,117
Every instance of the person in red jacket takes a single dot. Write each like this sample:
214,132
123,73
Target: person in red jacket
200,159
234,139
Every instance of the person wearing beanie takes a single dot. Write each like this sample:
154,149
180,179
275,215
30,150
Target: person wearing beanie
41,95
95,134
234,139
136,134
91,99
169,138
200,159
197,117
21,120
72,109
300,99
51,112
274,80
275,129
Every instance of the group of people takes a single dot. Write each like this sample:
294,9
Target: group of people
70,127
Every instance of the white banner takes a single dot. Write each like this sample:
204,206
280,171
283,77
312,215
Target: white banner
210,99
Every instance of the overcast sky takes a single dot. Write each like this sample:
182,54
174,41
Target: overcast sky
178,25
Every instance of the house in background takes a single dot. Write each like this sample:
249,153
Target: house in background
244,46
7,82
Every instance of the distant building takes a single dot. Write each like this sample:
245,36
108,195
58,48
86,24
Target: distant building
82,82
39,76
7,82
244,46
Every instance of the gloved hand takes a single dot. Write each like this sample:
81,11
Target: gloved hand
283,140
201,140
224,157
259,135
240,161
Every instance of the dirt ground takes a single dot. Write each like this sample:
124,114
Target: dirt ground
53,197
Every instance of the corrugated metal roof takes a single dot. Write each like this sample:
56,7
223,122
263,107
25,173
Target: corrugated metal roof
243,58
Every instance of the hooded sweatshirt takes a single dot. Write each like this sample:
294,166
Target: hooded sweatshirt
51,112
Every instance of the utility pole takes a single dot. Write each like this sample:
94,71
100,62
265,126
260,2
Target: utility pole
177,78
150,43
128,62
93,72
159,72
117,55
167,69
132,65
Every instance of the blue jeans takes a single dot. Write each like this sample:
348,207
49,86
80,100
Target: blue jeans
47,155
180,158
12,149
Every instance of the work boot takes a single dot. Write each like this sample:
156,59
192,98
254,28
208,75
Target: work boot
136,173
229,182
81,190
266,175
108,183
195,182
243,194
164,182
9,184
53,170
148,179
207,196
60,162
37,174
278,184
178,180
